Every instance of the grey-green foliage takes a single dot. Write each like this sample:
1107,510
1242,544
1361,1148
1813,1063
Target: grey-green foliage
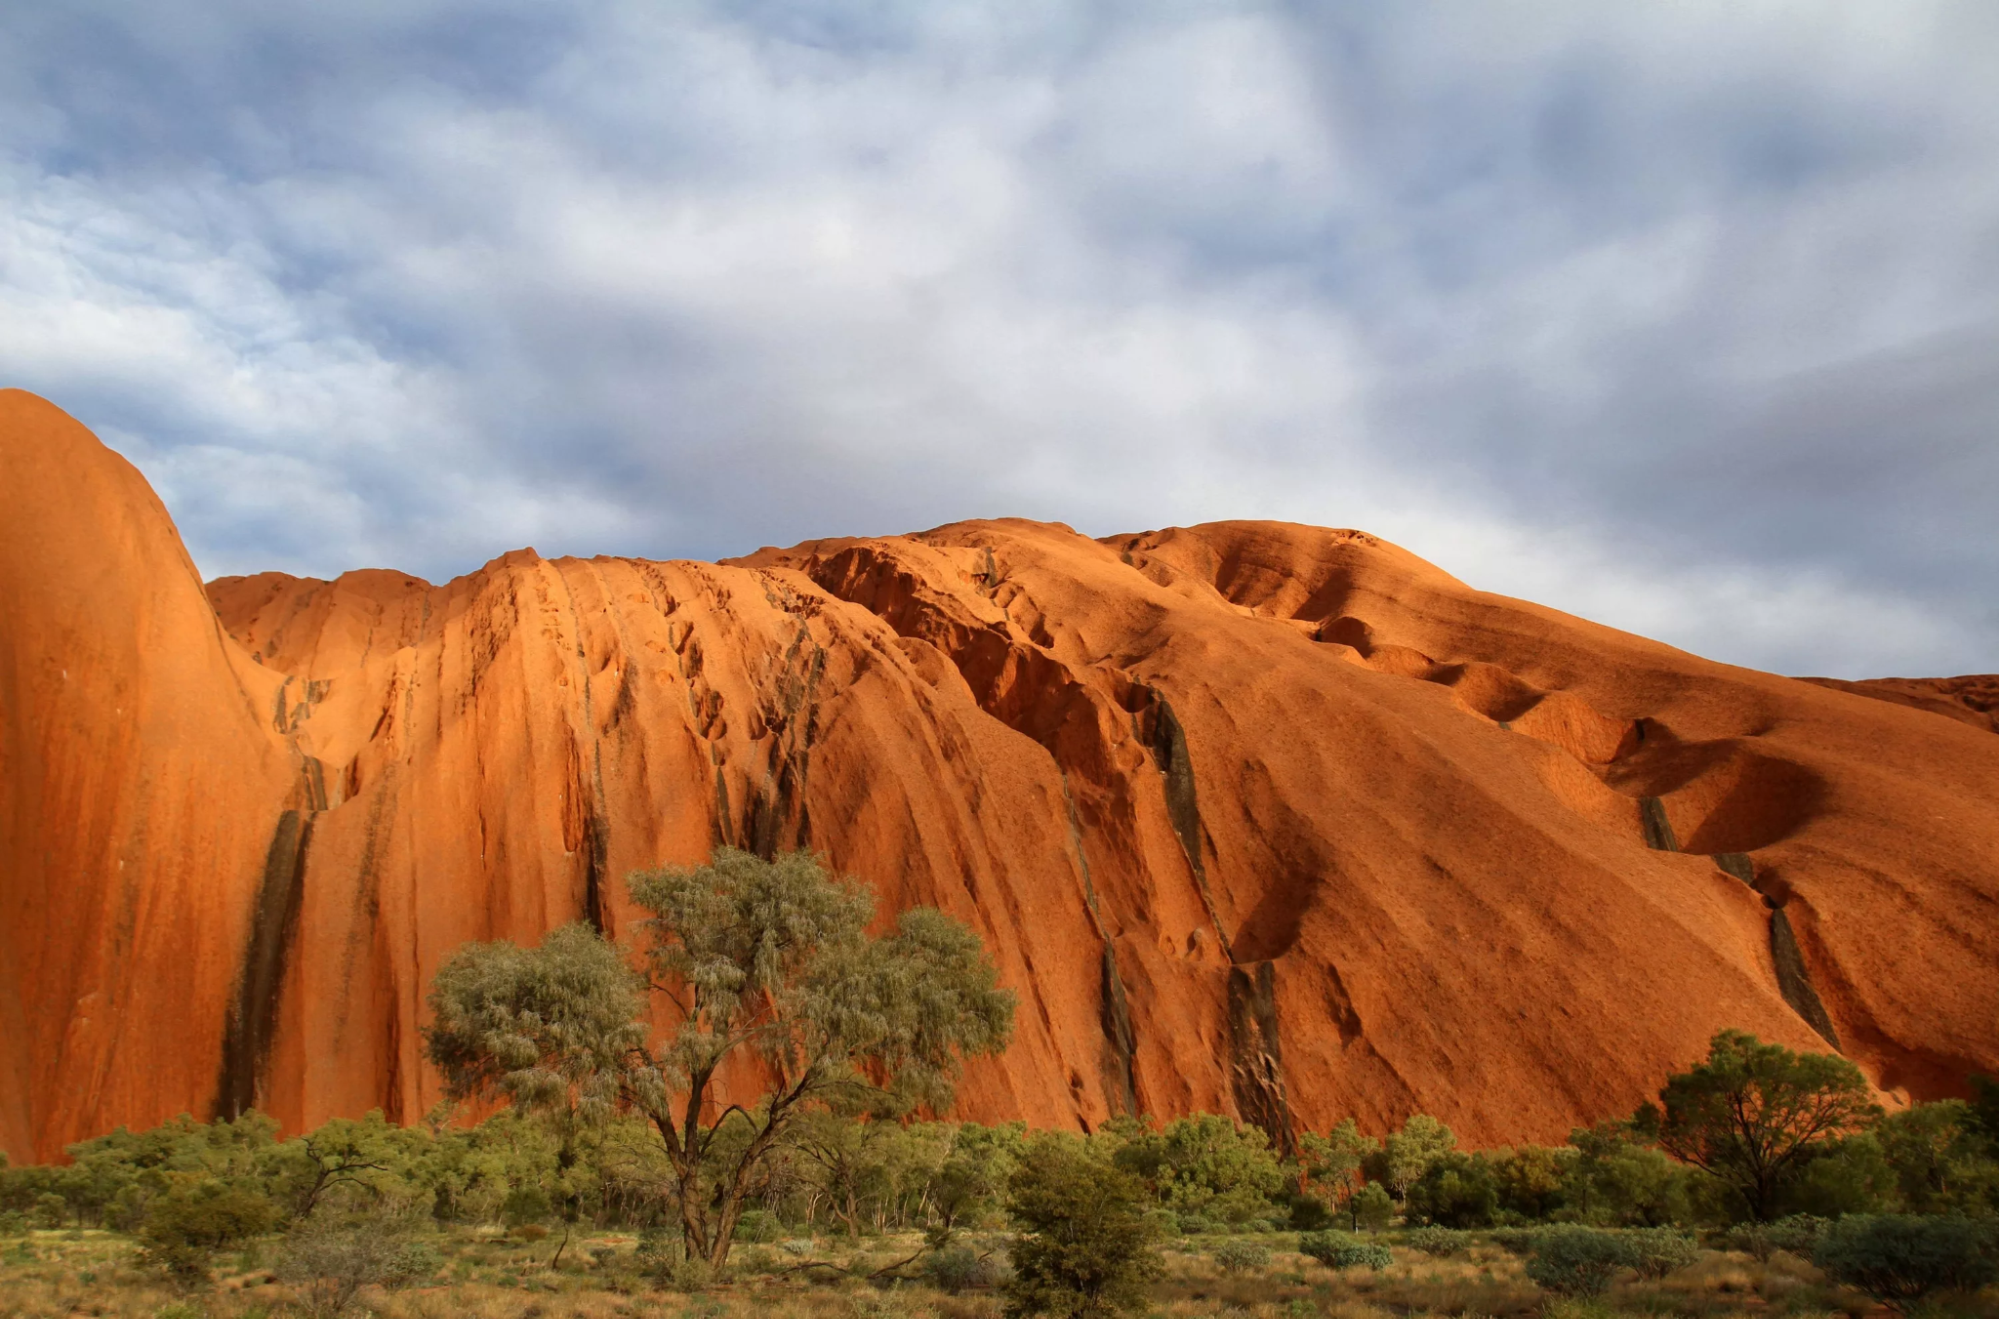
1579,1261
765,959
1439,1242
1658,1251
1900,1258
1339,1251
538,1026
1407,1154
959,1268
330,1258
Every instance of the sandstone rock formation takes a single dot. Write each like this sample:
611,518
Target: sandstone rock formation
1972,698
1258,818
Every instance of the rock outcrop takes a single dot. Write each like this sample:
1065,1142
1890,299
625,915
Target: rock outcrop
1972,698
1257,818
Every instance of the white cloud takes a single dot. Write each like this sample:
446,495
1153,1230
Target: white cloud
1544,291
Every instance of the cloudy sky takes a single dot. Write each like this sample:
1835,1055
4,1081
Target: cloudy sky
1684,317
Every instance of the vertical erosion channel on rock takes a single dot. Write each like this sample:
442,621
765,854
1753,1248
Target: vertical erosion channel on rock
246,1039
1183,810
1794,978
1257,1069
1120,1040
1658,829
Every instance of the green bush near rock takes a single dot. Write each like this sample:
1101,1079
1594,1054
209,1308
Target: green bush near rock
1902,1258
1579,1261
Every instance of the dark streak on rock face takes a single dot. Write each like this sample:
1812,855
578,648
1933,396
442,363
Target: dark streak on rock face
1794,978
246,1040
1257,1067
1658,829
596,860
1121,1039
1168,742
1738,864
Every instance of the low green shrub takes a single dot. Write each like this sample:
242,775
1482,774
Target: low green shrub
329,1260
1437,1242
1240,1256
1579,1261
1339,1251
1902,1258
690,1276
1797,1234
1660,1250
185,1227
956,1269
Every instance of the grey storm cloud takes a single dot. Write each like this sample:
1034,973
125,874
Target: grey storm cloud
1684,318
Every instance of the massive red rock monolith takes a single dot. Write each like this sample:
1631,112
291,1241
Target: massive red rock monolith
1258,818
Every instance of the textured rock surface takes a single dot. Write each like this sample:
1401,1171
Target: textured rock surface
1972,698
1261,818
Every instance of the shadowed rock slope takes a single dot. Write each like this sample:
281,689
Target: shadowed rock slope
1257,818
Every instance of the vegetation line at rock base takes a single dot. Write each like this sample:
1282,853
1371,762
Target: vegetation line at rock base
614,1165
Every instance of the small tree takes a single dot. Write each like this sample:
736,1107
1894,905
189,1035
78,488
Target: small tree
972,1180
1407,1154
1940,1158
1753,1114
766,962
342,1154
1332,1164
1533,1180
1207,1167
1615,1179
1457,1190
196,1217
1371,1208
1084,1246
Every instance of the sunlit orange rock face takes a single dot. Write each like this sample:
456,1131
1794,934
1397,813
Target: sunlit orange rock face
1258,818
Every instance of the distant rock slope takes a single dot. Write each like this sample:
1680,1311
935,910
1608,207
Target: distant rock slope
1258,818
1972,699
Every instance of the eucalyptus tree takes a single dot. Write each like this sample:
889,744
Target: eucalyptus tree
763,970
1755,1114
